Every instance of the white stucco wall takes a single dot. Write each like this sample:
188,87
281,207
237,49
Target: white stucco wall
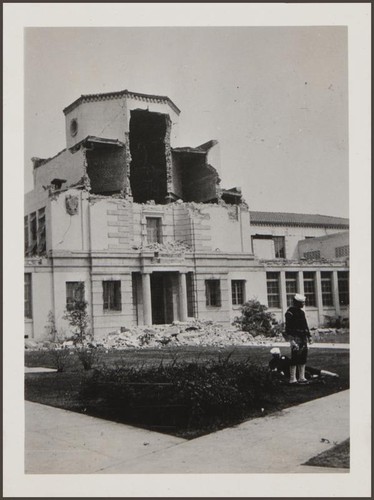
66,165
110,118
42,303
326,245
69,232
292,235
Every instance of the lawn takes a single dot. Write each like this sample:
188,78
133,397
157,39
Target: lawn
155,388
338,456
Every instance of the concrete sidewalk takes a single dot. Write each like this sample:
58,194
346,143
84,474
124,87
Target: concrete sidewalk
62,442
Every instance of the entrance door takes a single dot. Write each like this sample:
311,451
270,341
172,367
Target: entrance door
162,298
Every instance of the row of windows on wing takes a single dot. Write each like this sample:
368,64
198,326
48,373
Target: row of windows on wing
310,289
112,294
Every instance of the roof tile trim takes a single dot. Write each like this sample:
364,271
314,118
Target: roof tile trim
296,219
118,95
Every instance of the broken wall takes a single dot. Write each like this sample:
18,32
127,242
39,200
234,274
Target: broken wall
148,170
65,165
106,168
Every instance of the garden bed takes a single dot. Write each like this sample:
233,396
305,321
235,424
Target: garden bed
186,392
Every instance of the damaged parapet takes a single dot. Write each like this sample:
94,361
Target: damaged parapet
121,143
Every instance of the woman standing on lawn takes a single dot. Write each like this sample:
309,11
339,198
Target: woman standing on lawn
297,332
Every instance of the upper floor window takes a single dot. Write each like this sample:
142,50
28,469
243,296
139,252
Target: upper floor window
28,296
291,287
343,286
35,233
238,292
273,291
74,293
279,247
326,286
213,293
310,288
154,232
112,295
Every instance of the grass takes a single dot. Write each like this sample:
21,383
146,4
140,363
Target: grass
83,391
336,457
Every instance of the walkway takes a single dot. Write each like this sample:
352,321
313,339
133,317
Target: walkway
63,442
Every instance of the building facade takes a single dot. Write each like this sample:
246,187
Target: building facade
143,229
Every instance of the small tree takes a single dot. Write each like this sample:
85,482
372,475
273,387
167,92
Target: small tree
77,316
255,318
51,326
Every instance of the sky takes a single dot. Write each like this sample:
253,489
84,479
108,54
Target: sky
276,99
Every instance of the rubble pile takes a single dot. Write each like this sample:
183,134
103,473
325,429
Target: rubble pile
192,333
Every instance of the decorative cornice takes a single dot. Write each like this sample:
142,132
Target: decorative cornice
118,95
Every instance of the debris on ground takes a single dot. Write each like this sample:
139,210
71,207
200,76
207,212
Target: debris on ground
192,333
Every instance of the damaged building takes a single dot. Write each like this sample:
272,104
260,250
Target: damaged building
144,225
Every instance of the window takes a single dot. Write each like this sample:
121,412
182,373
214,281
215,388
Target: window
272,284
237,292
26,234
343,286
33,234
326,286
112,295
279,247
41,231
342,251
74,293
265,249
291,287
154,230
310,288
312,255
28,296
213,293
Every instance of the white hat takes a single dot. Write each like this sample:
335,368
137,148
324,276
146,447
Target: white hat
300,298
275,350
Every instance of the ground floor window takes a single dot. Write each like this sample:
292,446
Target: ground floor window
112,295
291,287
190,295
310,288
326,287
343,286
238,292
74,293
213,293
28,296
273,292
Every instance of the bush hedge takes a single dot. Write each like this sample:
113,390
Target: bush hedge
180,396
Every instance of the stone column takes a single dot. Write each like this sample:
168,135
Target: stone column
319,298
183,296
335,292
283,293
147,303
229,298
300,283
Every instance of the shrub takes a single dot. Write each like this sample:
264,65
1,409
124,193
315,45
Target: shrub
59,358
182,395
51,326
255,318
87,357
78,318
